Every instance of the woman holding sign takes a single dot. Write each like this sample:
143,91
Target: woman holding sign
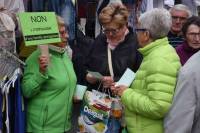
48,84
150,96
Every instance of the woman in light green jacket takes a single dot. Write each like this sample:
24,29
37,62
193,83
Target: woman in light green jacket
149,97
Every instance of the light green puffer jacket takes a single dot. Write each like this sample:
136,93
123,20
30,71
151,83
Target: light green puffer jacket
151,93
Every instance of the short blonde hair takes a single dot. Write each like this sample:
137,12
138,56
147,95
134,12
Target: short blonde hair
114,12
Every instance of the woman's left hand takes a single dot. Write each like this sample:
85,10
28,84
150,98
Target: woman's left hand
118,90
107,81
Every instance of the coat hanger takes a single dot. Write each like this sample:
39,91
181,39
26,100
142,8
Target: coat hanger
9,54
9,63
11,81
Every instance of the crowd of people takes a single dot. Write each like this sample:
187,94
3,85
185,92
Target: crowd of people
162,50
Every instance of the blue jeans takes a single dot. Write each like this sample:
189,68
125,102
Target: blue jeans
69,15
63,8
113,125
48,5
38,5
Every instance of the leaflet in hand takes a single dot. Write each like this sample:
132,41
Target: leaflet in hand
127,78
97,75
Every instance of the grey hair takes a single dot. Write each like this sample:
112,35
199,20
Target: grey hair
157,21
181,7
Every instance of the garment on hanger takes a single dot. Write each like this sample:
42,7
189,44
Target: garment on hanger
7,45
12,105
19,116
7,28
14,6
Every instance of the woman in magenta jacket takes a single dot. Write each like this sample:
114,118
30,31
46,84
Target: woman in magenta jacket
191,33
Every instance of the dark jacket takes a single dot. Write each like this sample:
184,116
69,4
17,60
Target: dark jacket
175,39
184,52
125,55
81,49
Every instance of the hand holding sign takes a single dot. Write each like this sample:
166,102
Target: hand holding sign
44,49
43,63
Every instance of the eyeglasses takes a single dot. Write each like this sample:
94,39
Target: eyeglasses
193,34
175,18
110,31
140,30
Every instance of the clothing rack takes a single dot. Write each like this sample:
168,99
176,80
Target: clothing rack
9,54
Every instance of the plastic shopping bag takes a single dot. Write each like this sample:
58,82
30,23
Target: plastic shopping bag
95,112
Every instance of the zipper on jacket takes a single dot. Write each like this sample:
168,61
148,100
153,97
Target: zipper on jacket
45,116
68,95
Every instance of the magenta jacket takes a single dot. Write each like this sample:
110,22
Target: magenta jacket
184,52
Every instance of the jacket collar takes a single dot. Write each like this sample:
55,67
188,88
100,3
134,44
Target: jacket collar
188,48
56,49
153,45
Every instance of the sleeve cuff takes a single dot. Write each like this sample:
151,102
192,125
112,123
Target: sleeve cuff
124,95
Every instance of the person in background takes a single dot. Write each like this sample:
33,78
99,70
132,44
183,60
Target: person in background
179,14
150,95
191,33
120,40
184,115
49,88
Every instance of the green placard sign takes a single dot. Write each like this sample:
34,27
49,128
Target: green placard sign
39,28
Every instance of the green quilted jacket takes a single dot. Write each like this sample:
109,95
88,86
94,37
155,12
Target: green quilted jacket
150,95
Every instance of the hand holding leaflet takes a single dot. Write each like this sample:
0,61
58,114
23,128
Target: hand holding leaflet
79,92
127,78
